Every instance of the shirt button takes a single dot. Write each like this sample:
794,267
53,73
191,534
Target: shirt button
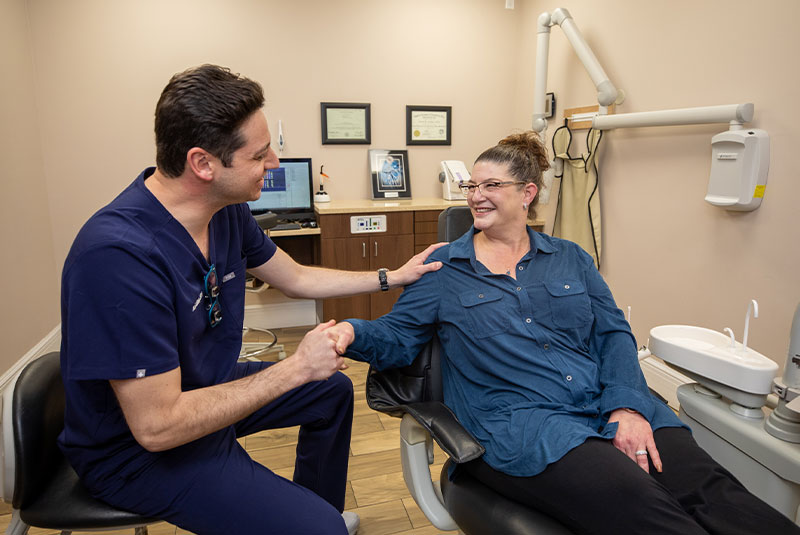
569,378
527,320
566,286
480,295
519,288
546,346
521,268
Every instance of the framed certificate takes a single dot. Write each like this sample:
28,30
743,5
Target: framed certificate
345,123
389,173
428,125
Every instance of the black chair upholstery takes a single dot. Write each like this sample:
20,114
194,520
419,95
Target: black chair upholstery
47,491
417,390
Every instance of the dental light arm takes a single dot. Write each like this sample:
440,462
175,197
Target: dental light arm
606,92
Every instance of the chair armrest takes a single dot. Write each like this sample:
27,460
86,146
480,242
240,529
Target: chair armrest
446,430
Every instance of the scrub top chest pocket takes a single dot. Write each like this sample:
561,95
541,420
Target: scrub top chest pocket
232,293
569,302
486,311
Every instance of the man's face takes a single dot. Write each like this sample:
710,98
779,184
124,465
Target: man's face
242,181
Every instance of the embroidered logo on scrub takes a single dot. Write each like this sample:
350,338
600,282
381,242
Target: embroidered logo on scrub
140,373
199,298
228,277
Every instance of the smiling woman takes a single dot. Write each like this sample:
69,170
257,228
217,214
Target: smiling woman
540,366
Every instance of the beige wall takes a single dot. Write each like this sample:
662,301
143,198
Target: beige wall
83,119
29,303
102,65
668,254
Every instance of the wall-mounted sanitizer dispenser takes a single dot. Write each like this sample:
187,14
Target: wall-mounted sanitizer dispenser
739,168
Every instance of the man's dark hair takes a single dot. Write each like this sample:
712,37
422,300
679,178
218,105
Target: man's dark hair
203,107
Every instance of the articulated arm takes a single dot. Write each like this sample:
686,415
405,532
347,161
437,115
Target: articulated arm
606,92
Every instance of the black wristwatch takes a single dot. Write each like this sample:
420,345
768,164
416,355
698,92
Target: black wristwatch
382,279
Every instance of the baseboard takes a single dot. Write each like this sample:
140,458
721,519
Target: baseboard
663,379
51,342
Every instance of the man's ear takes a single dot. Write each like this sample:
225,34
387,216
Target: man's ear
201,163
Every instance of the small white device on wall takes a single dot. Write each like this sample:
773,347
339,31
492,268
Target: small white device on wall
453,173
739,168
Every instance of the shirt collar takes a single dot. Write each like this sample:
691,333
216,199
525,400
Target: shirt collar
463,247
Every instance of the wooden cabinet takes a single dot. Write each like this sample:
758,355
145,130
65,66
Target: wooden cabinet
425,229
341,249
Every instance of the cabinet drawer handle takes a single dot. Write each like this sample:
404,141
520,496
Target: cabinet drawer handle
376,248
363,249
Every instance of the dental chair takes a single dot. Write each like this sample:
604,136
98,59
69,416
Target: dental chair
414,393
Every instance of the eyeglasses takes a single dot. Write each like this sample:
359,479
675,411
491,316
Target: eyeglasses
490,186
211,293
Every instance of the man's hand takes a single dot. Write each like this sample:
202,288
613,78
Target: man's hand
634,438
414,268
343,334
317,353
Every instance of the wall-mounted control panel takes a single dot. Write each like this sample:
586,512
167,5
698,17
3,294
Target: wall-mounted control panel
367,223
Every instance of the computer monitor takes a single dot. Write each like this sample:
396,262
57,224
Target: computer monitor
287,191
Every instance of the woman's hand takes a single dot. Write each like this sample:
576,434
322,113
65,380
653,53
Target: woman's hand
634,438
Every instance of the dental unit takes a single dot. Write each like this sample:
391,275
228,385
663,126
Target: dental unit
728,410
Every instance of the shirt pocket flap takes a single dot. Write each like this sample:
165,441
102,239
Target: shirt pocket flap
564,288
478,297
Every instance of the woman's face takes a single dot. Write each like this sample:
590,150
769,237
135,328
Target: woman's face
498,202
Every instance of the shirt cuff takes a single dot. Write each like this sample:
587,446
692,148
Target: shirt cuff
619,397
361,343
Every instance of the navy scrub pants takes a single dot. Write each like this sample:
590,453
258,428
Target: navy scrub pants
597,489
212,486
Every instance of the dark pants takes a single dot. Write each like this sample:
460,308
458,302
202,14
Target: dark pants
597,489
211,486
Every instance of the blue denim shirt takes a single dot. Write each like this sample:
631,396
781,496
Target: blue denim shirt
533,366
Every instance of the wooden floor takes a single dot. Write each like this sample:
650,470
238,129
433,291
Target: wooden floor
375,487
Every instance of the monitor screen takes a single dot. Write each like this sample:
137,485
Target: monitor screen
287,191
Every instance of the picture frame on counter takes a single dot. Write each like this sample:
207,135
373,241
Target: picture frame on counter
345,123
428,125
389,174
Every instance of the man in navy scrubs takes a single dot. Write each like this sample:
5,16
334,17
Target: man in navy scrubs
152,310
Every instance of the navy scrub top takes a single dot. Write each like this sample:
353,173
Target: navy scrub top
132,305
533,366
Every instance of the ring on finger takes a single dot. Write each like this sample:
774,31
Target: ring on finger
641,452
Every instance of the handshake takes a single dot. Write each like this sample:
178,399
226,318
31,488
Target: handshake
319,354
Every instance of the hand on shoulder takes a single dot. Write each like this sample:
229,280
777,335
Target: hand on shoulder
415,268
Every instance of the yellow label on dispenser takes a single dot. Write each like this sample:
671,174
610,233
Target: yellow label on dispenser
759,192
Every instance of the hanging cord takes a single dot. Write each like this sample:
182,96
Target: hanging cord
555,156
596,185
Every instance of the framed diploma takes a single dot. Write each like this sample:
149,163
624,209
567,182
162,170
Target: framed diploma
345,123
389,173
428,125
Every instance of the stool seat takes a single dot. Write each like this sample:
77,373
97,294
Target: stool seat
65,504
